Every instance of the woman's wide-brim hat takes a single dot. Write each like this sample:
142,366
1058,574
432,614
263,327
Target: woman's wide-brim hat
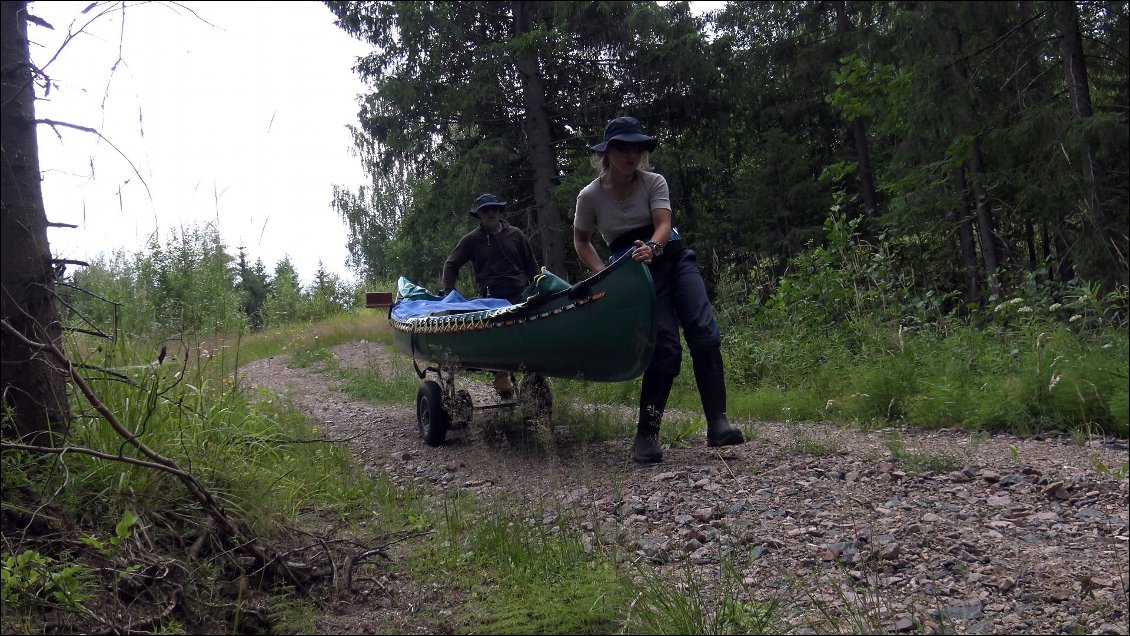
624,129
486,201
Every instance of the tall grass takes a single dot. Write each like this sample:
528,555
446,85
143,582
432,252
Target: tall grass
1051,379
264,460
266,464
541,582
676,606
847,336
360,324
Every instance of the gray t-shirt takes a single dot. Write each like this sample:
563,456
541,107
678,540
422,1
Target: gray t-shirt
595,209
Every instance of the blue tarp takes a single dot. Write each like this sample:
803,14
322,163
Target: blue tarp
451,303
418,301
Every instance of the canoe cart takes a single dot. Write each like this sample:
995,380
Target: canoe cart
601,329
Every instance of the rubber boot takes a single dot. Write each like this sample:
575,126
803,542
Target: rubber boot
653,400
711,380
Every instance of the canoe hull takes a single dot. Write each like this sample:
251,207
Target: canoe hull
602,329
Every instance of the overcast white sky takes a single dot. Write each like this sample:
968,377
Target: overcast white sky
235,115
232,112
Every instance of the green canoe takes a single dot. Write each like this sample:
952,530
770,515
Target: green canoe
600,329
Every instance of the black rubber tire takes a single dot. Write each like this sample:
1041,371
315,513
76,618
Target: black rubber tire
430,416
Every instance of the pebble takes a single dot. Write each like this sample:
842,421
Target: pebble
998,546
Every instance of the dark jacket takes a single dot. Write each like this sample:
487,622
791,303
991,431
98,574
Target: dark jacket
505,259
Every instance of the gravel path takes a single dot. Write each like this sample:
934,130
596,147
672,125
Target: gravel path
911,531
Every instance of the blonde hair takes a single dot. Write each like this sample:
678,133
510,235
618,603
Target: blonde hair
599,162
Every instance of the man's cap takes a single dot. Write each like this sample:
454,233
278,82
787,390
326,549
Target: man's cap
486,201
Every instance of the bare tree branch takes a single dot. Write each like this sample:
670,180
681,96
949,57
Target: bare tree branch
67,261
47,450
55,123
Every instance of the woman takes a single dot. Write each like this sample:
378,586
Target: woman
631,207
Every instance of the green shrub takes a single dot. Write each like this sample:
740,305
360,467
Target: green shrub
30,579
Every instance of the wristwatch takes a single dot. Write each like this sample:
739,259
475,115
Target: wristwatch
656,248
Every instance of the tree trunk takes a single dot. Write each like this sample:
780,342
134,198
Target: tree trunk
866,174
990,250
1064,267
1030,243
1078,87
859,141
1057,261
1046,242
966,245
34,388
540,142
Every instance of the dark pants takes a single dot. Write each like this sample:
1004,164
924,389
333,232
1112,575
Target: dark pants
680,295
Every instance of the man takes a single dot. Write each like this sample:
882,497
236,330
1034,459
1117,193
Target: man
502,259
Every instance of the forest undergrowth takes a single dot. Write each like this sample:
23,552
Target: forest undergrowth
99,536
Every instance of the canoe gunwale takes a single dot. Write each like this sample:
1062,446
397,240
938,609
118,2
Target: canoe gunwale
463,322
600,329
436,323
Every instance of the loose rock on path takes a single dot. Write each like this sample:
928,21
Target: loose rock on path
912,531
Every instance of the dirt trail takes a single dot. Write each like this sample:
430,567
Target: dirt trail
1020,536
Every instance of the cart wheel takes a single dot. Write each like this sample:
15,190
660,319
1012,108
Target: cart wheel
535,399
430,415
462,409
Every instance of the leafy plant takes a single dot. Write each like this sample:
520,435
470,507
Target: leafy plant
122,531
30,579
1120,473
683,432
809,446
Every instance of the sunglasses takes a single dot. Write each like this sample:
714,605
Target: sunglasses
624,146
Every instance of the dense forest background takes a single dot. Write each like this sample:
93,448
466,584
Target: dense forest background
970,152
980,145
